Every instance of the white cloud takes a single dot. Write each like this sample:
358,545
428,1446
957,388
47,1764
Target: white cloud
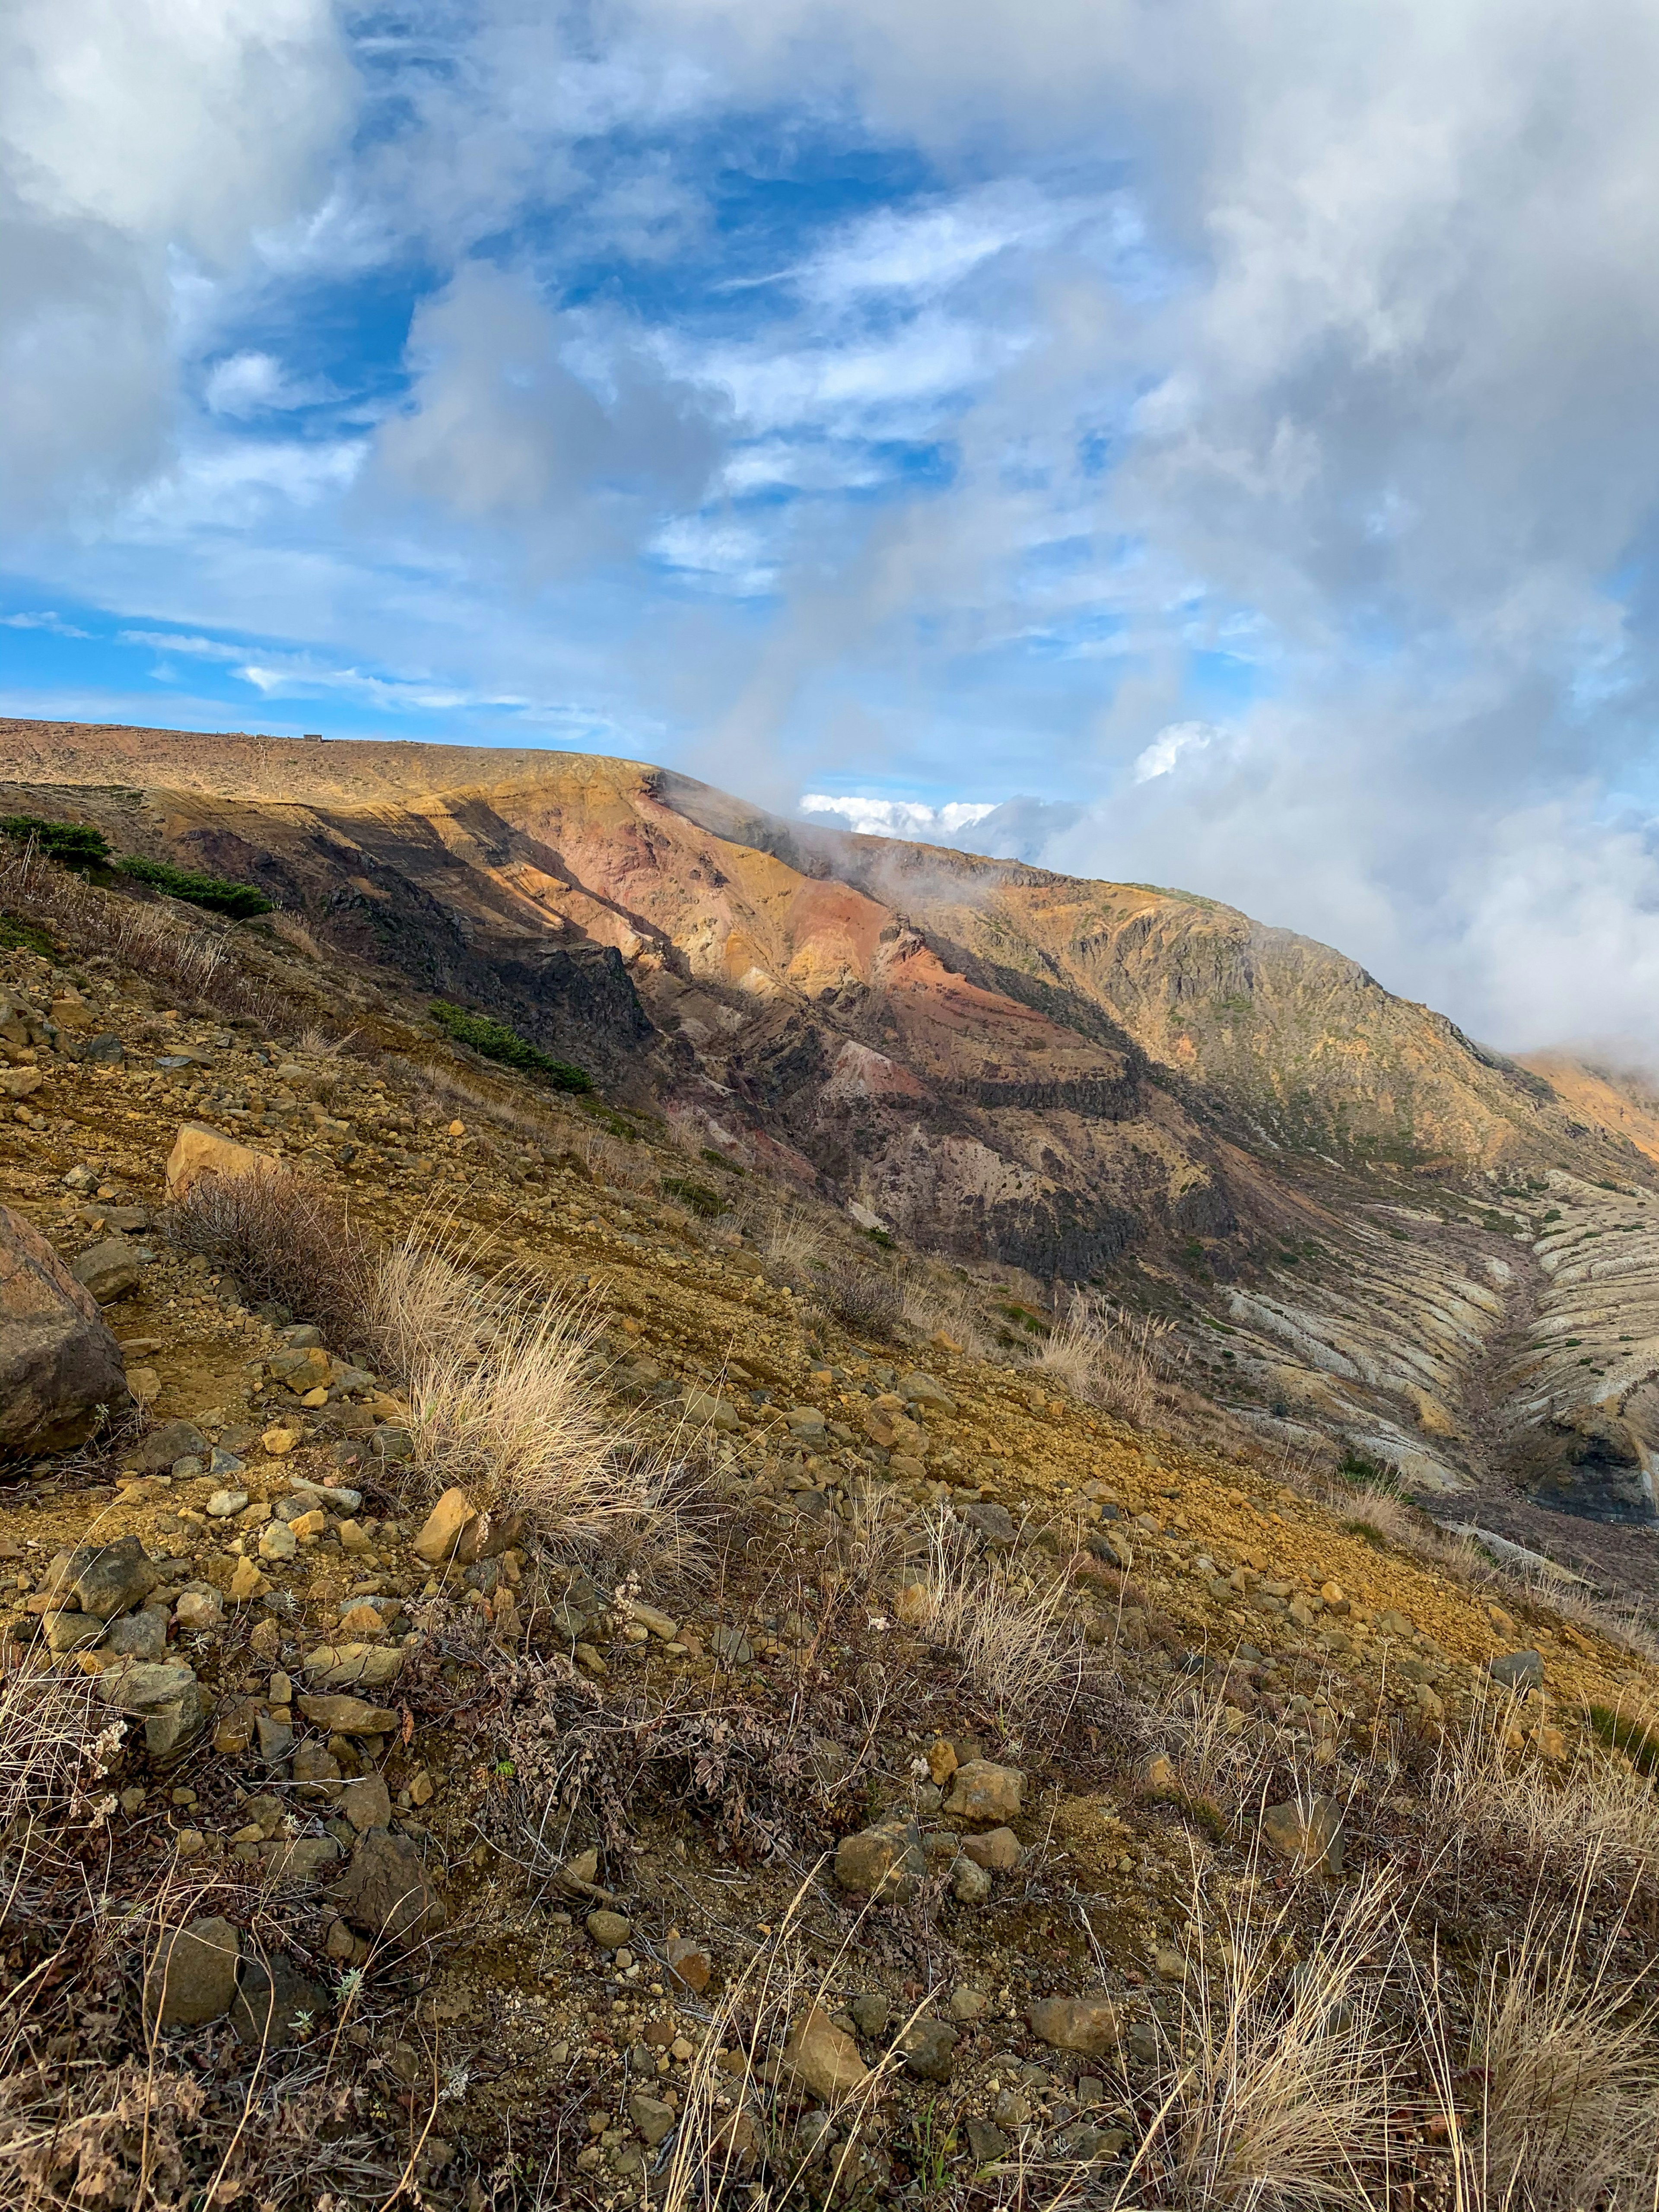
244,384
1167,748
47,620
900,818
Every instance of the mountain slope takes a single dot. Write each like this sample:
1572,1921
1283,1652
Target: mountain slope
1368,1228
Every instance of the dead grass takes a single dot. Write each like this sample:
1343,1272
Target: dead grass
284,1239
421,1304
1011,1633
192,960
1273,2090
933,1306
517,1423
1107,1357
1564,2071
1595,1816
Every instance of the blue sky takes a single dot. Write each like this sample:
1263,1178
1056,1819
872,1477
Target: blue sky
1234,431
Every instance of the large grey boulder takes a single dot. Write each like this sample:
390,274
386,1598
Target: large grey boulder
60,1368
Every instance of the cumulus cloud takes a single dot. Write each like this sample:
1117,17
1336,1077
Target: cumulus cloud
136,139
1235,429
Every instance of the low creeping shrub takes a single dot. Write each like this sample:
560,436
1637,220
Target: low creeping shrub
216,893
496,1042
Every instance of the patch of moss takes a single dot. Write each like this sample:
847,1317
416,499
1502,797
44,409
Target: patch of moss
1639,1743
698,1196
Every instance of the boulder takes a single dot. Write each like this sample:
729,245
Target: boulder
197,1151
103,1579
886,1863
1084,2024
1519,1671
444,1528
60,1368
1310,1834
823,2057
982,1790
109,1270
191,1978
387,1892
991,1523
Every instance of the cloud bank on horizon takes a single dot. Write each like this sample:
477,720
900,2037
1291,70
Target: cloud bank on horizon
1175,441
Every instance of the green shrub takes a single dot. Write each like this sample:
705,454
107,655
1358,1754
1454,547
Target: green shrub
77,844
696,1195
23,937
496,1042
216,893
1640,1744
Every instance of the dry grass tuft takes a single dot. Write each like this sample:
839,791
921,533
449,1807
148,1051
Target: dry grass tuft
1596,1816
862,1295
284,1239
421,1304
1272,2091
517,1423
932,1307
1013,1635
1107,1357
1565,2068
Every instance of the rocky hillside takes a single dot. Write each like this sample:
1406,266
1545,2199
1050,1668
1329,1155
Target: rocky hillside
827,1760
1364,1228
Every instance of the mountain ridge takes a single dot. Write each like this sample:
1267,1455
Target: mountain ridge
1079,1081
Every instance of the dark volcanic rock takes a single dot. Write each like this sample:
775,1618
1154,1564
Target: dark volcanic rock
60,1368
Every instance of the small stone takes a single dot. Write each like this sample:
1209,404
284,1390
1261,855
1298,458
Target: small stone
970,1883
280,1439
367,1803
246,1582
224,1502
968,2004
927,2047
609,1930
870,2012
109,1270
387,1892
1168,1964
200,1609
142,1635
987,2142
886,1863
1158,1776
192,1978
103,1579
277,1541
1088,2025
1312,1835
343,1716
419,1788
444,1528
316,1772
997,1850
339,1943
823,2058
982,1790
275,1735
222,1463
156,1453
66,1631
1517,1671
341,1666
688,1963
653,2118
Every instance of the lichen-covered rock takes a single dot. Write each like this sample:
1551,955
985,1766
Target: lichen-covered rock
103,1579
982,1790
60,1368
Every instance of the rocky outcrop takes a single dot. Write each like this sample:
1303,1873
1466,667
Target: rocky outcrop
61,1372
